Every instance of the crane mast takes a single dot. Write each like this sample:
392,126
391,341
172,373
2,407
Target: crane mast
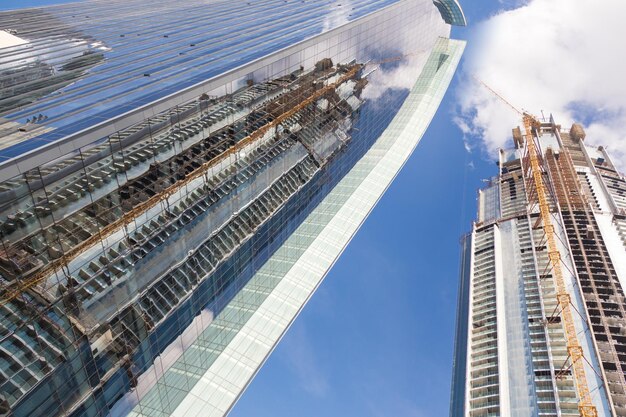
574,350
564,300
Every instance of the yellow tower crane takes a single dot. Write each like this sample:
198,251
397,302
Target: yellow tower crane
574,349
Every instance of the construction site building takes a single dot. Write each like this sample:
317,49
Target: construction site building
176,179
512,356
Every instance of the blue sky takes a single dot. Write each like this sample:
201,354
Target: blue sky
377,337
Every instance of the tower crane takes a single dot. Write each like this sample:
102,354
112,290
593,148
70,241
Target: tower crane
574,349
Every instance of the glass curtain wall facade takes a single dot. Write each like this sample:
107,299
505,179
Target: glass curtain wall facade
511,355
176,180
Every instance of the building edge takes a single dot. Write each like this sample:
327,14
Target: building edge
459,359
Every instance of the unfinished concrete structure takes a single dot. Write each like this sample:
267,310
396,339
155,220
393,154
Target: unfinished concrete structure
511,354
176,178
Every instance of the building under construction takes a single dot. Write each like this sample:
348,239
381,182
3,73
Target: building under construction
541,325
176,178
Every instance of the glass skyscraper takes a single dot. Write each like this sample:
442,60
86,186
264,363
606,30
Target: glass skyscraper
176,178
513,355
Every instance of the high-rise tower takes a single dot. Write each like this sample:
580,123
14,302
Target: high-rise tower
176,178
512,356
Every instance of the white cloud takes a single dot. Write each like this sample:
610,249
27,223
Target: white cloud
338,16
401,76
401,61
560,56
